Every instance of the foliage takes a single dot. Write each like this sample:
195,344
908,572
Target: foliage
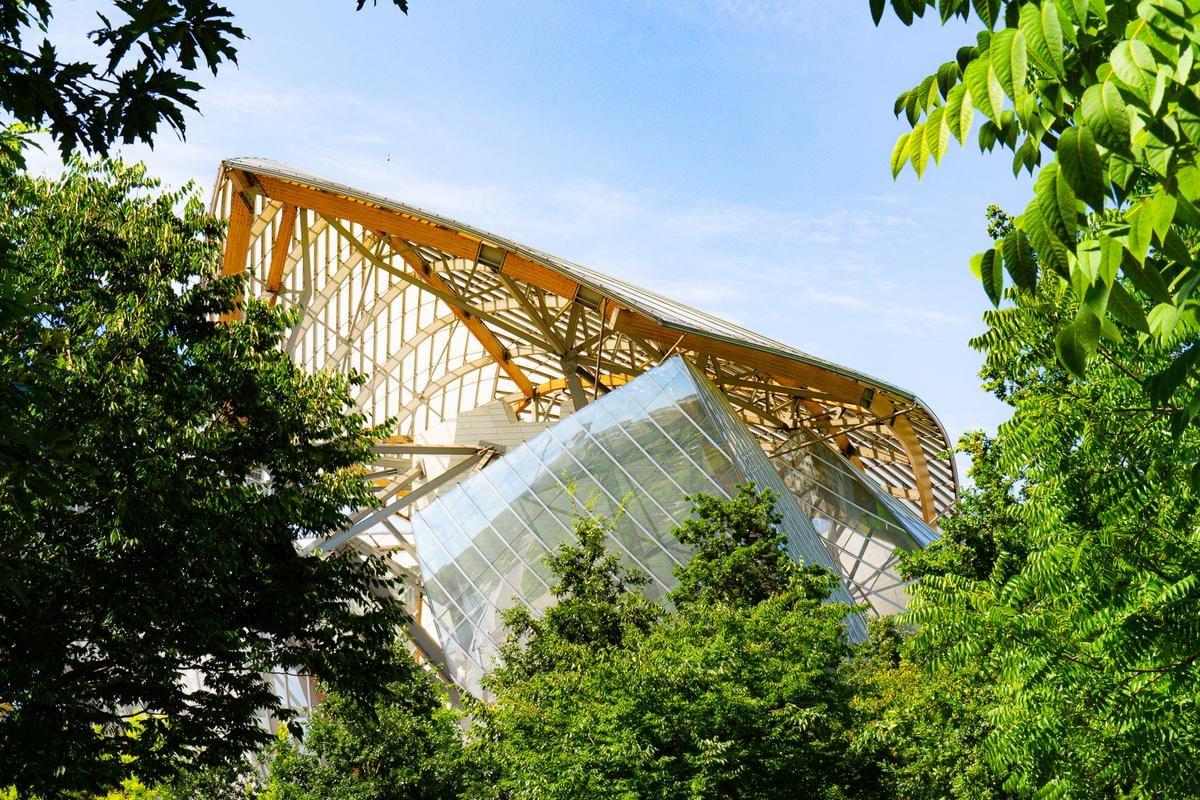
1087,619
150,53
738,554
1102,99
196,455
736,693
921,727
924,722
402,745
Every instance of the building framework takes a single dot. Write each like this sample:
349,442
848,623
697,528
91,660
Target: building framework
456,327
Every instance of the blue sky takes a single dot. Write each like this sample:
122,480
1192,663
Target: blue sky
730,153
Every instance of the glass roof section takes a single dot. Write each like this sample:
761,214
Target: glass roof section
644,447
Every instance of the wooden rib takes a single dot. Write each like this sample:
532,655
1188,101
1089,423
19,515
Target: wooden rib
237,246
558,384
904,431
237,240
480,331
539,275
390,222
281,248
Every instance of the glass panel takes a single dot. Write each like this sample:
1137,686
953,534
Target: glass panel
649,443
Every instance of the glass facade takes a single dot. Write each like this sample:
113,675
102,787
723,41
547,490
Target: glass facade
864,528
648,445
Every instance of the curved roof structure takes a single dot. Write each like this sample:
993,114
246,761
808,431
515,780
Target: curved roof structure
445,318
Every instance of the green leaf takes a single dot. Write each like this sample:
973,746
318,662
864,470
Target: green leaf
937,134
976,80
1077,342
1056,201
1187,114
959,112
988,11
1050,252
1010,62
947,78
1095,299
1141,229
1080,163
1125,309
1019,259
1104,113
1160,213
1163,319
991,275
900,154
1133,63
1145,277
918,151
877,7
1167,18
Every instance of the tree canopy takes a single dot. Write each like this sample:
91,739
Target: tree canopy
736,692
190,457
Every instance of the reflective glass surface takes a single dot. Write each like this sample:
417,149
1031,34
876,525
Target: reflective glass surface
647,444
862,526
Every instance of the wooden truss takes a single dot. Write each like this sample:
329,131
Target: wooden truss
444,318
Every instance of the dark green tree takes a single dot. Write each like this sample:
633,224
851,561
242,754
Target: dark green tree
737,692
193,456
402,745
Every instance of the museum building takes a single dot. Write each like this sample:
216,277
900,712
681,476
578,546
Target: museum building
523,389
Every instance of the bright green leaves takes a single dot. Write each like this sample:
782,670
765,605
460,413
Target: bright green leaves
1111,89
937,134
1019,259
977,80
1126,309
1081,165
1104,112
986,267
1044,36
1056,201
1077,342
959,112
988,11
1009,62
1150,220
900,154
1134,65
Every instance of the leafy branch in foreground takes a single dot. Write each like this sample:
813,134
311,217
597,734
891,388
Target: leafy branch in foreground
149,55
1102,100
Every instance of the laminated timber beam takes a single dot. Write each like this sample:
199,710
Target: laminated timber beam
480,331
393,223
280,250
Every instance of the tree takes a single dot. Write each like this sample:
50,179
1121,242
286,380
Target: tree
737,692
150,53
195,455
1107,94
925,721
1087,620
402,745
